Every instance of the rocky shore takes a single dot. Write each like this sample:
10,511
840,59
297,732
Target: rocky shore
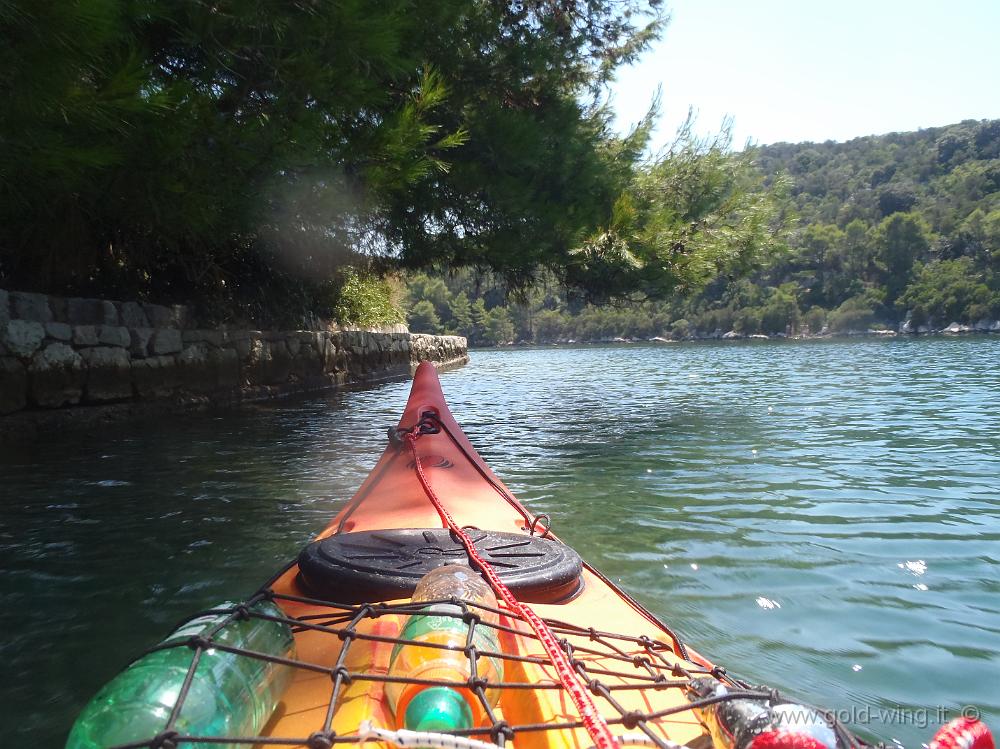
905,329
59,355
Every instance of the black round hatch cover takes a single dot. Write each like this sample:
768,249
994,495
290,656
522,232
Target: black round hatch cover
370,566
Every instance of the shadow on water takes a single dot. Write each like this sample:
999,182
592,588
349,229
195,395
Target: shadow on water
821,517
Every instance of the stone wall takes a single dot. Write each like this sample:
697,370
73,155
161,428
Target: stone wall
57,352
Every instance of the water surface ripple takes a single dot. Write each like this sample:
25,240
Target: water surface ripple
821,517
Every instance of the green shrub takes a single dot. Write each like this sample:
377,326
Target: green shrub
854,314
947,291
365,299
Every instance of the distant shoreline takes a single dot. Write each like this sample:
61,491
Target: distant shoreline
851,334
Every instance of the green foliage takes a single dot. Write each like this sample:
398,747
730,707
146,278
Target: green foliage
681,329
781,312
499,328
845,267
246,155
901,239
855,314
693,213
460,312
949,291
814,320
230,152
423,318
365,299
875,209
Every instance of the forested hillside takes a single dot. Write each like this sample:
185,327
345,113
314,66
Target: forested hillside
884,227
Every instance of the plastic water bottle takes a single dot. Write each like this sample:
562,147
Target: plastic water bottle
420,707
791,718
230,695
755,723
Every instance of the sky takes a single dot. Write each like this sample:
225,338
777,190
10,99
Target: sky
815,70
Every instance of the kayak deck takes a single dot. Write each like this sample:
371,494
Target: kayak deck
637,679
637,676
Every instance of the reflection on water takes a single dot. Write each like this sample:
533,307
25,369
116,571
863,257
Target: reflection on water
821,517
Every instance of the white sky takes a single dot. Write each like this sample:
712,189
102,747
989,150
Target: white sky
818,70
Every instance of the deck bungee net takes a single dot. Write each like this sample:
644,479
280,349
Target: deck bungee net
562,685
642,666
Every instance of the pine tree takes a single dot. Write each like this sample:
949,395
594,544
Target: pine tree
461,314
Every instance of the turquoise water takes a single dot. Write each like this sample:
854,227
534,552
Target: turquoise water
823,517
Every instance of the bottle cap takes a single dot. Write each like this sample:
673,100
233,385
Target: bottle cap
438,709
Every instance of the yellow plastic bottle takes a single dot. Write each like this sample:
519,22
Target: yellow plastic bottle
419,707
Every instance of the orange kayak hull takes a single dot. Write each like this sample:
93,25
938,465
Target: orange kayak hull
392,497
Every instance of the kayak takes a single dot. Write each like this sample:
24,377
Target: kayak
393,498
558,657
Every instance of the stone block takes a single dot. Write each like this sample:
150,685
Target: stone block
195,368
214,337
254,359
182,316
34,307
83,312
139,345
109,313
334,359
60,331
243,342
13,385
160,316
166,341
204,368
4,307
85,335
109,374
155,377
294,344
266,362
58,306
22,337
228,363
308,362
279,362
114,335
55,376
91,312
133,315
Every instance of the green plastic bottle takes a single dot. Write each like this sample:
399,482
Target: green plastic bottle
230,695
440,708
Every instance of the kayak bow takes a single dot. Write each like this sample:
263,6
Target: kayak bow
430,470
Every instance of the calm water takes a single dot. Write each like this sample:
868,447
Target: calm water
821,517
